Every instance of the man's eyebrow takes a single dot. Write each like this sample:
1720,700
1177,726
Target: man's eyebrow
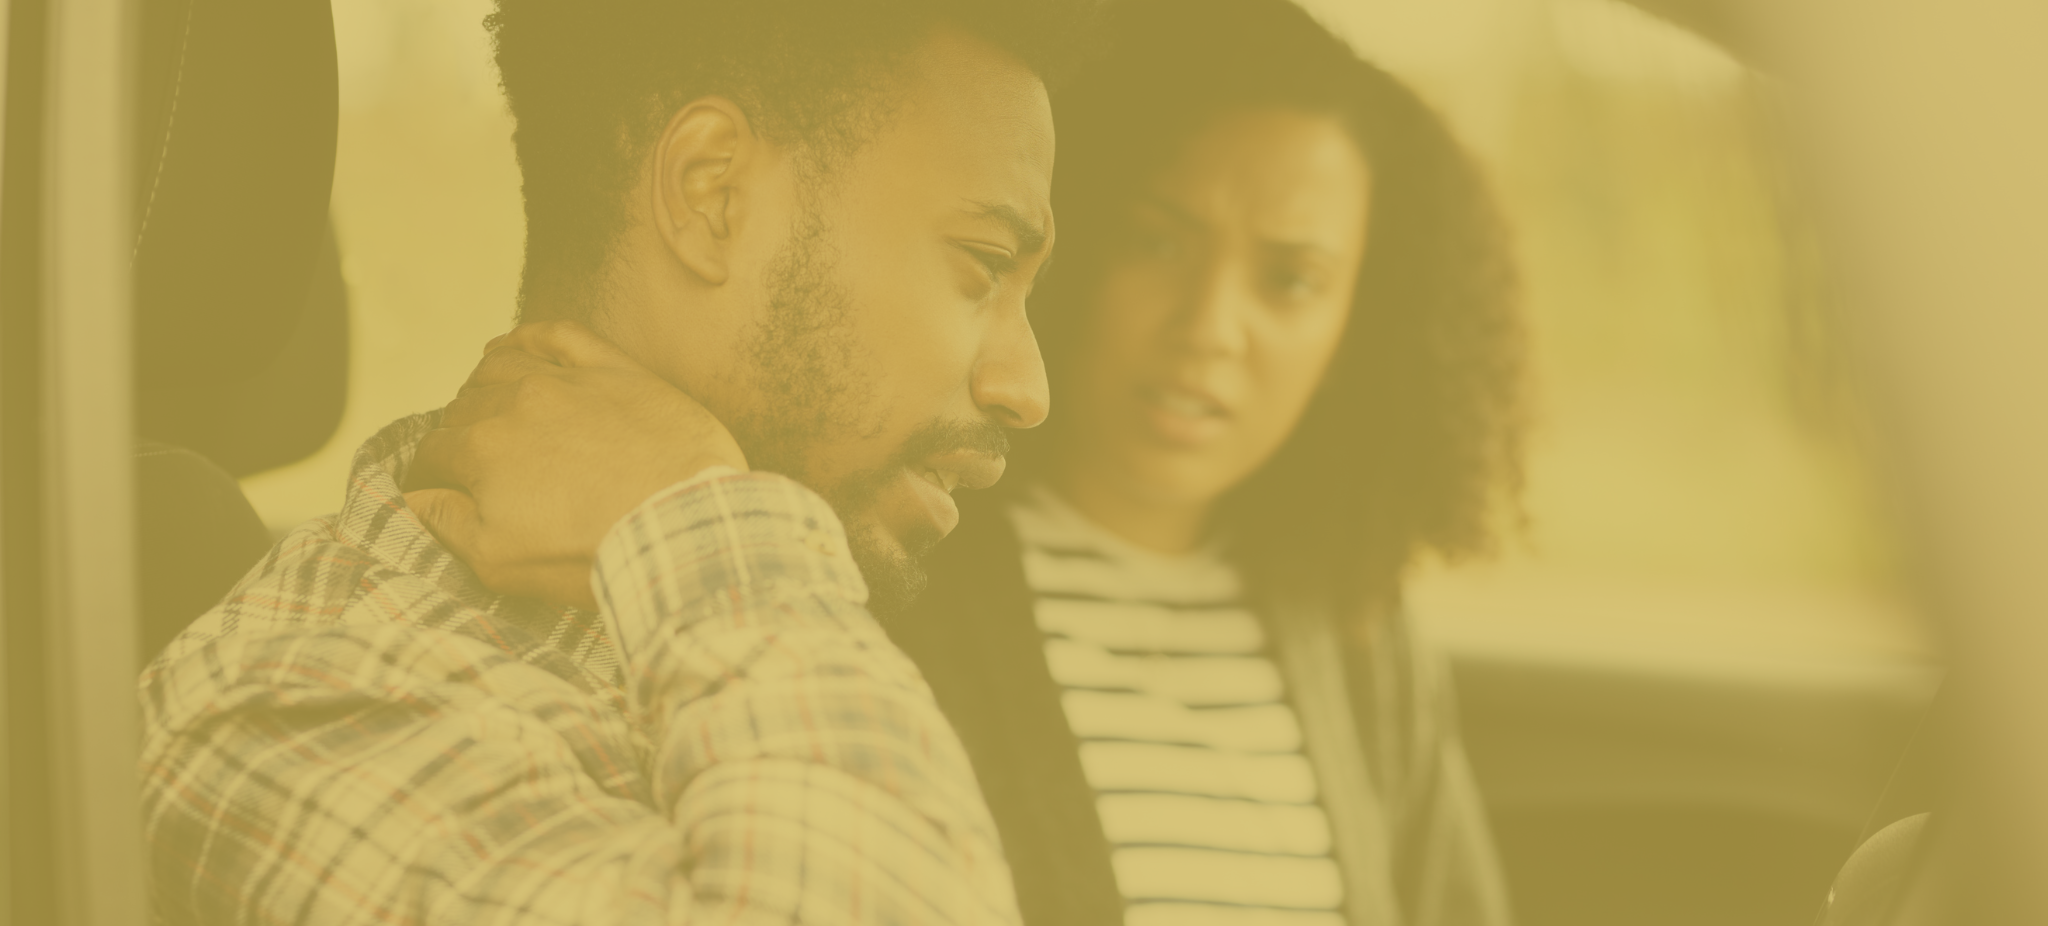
1031,236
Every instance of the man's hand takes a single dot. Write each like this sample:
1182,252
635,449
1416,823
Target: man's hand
554,438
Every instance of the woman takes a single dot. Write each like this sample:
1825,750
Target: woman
1283,354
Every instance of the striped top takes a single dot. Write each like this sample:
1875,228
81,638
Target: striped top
1207,800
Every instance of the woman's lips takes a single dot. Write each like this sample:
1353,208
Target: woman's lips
1182,417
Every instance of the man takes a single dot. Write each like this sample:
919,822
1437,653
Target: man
578,648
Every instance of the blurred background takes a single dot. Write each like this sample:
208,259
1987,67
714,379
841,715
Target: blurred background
1695,463
1689,669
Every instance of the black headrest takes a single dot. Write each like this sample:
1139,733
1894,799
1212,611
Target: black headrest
235,164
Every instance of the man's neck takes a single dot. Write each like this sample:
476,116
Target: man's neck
559,306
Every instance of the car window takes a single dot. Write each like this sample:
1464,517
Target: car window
1697,482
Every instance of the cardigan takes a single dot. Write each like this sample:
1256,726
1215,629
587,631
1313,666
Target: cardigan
1171,684
1378,714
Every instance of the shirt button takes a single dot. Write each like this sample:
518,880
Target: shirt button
820,542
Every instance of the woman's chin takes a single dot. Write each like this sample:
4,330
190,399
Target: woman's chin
1176,478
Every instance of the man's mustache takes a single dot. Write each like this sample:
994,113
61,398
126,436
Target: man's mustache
949,436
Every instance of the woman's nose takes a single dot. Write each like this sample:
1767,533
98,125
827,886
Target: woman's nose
1213,320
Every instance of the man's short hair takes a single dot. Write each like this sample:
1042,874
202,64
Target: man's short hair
592,83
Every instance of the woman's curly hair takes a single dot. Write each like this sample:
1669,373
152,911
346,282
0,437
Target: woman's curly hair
1412,441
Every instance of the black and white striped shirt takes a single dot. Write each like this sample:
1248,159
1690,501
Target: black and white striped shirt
1208,802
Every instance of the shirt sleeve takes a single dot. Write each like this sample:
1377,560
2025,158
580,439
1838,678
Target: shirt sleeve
785,764
764,684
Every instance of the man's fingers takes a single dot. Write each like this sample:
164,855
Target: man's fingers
451,516
569,343
507,363
478,403
566,582
442,460
543,347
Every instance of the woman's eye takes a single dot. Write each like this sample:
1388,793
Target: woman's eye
1293,285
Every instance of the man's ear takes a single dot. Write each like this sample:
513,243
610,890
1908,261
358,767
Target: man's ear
702,159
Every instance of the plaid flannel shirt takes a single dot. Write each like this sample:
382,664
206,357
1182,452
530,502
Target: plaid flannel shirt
360,733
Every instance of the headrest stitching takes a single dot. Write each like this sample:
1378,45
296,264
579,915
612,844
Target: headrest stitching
163,153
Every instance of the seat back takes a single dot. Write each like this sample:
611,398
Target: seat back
241,332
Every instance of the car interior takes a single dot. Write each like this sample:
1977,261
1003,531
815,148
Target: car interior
1626,785
241,337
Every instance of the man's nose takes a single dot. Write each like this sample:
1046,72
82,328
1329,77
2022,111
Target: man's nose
1009,381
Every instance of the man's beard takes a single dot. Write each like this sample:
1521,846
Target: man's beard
812,391
895,572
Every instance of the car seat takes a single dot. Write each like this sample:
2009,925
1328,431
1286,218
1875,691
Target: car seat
241,334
